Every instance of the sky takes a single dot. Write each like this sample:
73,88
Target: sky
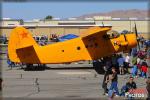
39,10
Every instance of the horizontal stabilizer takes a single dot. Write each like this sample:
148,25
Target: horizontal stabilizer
27,54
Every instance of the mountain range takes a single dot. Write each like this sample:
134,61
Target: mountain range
133,13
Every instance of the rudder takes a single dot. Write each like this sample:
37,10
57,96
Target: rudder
19,38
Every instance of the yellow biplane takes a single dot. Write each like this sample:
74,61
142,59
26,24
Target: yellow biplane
94,43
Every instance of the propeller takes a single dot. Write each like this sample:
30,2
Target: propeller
137,36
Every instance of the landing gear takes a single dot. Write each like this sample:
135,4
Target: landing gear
35,67
98,67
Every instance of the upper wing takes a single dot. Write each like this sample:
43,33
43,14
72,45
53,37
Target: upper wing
94,31
94,42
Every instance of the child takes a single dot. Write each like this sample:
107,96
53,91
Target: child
144,70
134,71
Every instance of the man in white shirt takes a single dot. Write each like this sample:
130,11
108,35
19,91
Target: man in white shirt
127,62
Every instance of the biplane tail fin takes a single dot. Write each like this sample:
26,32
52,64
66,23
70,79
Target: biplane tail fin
19,38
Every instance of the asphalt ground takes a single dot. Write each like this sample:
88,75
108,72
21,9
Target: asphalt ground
59,82
77,81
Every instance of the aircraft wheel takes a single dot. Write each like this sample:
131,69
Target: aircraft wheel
29,66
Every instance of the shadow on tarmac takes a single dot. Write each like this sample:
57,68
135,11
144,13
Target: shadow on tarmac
41,68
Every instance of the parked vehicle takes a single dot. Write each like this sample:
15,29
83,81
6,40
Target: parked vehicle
40,39
147,43
3,40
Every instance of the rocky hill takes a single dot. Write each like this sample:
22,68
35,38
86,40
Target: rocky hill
120,14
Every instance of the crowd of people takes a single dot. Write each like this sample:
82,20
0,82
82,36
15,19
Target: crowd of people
134,66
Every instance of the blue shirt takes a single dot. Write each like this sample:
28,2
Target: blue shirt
121,61
134,69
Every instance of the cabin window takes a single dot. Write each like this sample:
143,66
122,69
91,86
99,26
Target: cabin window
78,48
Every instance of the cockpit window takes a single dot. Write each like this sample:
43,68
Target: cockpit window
112,34
125,32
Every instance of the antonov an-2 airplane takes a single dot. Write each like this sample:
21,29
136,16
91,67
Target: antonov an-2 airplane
93,44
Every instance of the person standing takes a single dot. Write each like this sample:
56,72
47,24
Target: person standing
143,63
127,62
105,80
144,70
108,63
1,80
148,89
139,65
121,64
114,81
114,60
134,71
134,60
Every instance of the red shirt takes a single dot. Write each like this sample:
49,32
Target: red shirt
144,69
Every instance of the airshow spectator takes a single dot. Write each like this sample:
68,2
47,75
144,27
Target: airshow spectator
129,85
134,71
139,64
114,60
141,54
105,80
141,40
144,70
10,63
127,62
111,94
138,60
121,64
108,63
134,52
1,80
114,81
143,63
148,89
134,60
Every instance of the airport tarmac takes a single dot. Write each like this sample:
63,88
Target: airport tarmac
56,83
